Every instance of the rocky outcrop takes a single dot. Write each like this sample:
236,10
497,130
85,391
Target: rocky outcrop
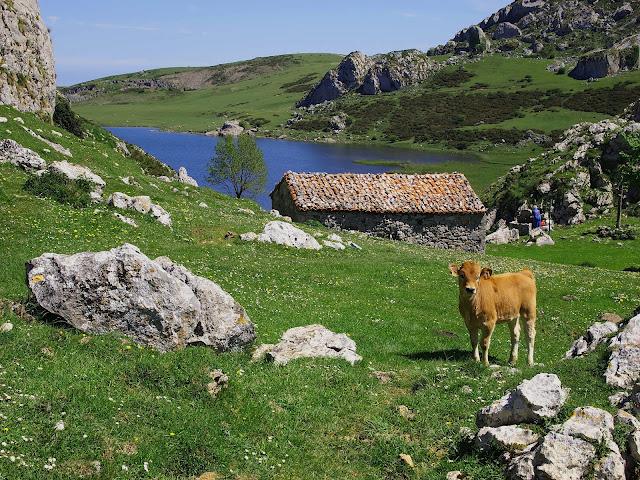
371,75
155,302
624,363
140,204
27,73
597,334
474,40
313,341
183,177
14,153
506,30
503,236
532,401
230,128
283,233
603,63
573,177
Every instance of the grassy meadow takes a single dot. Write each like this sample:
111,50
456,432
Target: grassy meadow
268,98
141,414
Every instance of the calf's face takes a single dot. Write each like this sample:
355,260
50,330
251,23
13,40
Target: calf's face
469,275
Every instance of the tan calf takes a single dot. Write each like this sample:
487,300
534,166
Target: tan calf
487,299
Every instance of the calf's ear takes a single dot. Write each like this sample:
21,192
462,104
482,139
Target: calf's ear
486,272
454,269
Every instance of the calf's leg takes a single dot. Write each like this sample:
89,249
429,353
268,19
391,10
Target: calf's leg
487,332
515,340
473,335
530,329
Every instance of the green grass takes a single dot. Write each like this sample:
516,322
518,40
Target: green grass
576,246
203,110
313,419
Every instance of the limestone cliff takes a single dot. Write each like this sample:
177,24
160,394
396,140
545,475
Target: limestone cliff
27,71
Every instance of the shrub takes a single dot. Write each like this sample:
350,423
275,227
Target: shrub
65,118
76,193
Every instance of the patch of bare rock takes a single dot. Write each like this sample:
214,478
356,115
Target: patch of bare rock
283,233
312,341
140,204
155,302
14,153
231,128
183,177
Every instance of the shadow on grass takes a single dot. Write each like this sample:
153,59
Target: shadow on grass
449,355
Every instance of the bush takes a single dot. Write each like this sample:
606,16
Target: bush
76,193
65,118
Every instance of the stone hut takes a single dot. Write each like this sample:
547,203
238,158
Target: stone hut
438,210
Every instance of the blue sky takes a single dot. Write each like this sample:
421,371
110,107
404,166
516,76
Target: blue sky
98,38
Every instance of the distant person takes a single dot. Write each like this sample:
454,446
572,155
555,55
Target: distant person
537,217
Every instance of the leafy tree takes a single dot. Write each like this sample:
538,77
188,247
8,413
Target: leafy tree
65,118
627,173
239,165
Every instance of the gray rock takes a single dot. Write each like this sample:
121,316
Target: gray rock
604,63
283,233
6,327
625,418
623,12
77,172
183,177
249,237
334,245
503,236
230,128
506,30
562,457
57,147
634,445
140,204
27,53
508,438
156,303
610,467
521,467
334,237
219,381
545,240
203,205
624,363
127,220
590,424
597,334
532,401
313,341
475,37
14,153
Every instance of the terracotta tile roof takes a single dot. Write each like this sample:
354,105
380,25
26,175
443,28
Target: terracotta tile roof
383,193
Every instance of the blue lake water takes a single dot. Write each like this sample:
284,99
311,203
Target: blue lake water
194,151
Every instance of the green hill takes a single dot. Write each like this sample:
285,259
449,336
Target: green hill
126,407
260,92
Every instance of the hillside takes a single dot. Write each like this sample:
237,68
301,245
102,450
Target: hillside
260,92
124,405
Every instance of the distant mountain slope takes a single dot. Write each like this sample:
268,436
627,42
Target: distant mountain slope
259,91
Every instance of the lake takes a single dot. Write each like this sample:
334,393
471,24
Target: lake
194,151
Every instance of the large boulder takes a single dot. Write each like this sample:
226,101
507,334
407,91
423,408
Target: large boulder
156,303
14,153
313,341
597,334
475,37
562,457
140,204
533,401
27,76
603,63
78,172
506,30
590,424
503,236
283,233
624,363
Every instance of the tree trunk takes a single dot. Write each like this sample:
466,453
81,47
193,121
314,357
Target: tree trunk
620,204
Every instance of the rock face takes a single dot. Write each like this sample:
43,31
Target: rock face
603,63
590,424
506,30
532,401
624,364
475,39
283,233
156,303
597,334
574,176
183,177
77,172
562,457
140,204
14,153
371,75
27,76
313,341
